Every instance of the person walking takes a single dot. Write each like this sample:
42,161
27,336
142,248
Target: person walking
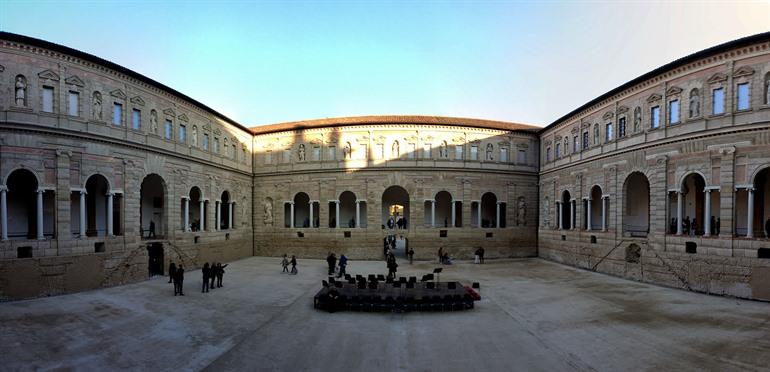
220,274
440,254
343,264
332,262
410,253
212,275
171,271
206,272
293,265
179,281
481,254
285,264
392,265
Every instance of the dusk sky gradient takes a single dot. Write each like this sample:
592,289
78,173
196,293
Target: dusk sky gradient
268,62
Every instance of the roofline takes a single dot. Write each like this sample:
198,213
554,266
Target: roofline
737,43
347,121
114,66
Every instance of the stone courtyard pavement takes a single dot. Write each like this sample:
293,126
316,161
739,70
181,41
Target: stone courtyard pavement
534,316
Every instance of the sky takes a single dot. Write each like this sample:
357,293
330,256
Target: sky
264,62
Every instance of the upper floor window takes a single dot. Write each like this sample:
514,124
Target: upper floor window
205,141
426,151
548,154
234,152
609,135
168,129
47,99
136,119
557,152
379,150
73,100
474,152
585,140
117,114
287,156
504,154
743,96
332,152
521,157
673,111
216,147
458,152
596,134
316,153
622,127
718,101
654,117
268,157
362,152
575,144
182,133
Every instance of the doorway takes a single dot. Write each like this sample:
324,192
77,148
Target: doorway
155,261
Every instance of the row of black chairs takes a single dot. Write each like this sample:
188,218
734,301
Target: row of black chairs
398,304
376,284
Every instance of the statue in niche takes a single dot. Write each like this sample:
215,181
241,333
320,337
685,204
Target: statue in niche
490,149
637,119
154,121
195,135
346,151
521,212
301,152
268,212
442,151
21,91
96,109
395,150
694,104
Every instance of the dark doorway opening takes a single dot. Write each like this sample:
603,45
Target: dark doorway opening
155,262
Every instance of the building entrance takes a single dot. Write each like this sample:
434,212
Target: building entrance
155,261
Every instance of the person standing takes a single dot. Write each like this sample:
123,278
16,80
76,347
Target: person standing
481,254
392,265
343,264
293,265
151,234
477,256
440,254
285,264
220,274
171,271
179,281
206,272
331,260
410,253
719,221
212,275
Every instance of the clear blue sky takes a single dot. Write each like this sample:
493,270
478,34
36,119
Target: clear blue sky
267,62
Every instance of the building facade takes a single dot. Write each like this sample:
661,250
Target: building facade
107,176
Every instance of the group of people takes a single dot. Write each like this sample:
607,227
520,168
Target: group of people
331,260
286,262
443,256
690,227
399,222
176,275
210,273
392,265
479,255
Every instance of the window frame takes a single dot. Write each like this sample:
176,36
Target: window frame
714,101
70,94
51,100
136,120
655,117
738,87
117,108
674,119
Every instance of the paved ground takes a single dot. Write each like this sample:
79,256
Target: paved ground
534,316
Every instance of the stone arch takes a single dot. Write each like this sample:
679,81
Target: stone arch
347,200
97,187
596,207
21,202
488,209
443,200
152,208
692,186
301,202
38,182
636,206
566,210
395,207
197,209
226,210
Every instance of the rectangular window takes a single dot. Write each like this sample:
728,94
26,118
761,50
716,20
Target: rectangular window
673,112
655,117
182,133
521,157
316,153
47,99
205,141
622,127
216,145
548,154
575,144
117,114
74,104
244,155
412,150
332,152
718,101
557,152
136,119
585,140
743,96
287,156
459,152
426,151
235,152
168,129
268,157
474,152
608,134
379,151
362,152
504,154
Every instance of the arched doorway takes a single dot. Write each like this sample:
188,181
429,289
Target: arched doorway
348,210
566,210
596,208
636,211
301,210
152,208
225,211
760,213
97,188
693,212
395,208
443,200
22,205
197,219
489,210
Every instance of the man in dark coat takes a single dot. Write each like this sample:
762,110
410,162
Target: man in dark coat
343,265
332,261
481,254
220,273
212,275
206,272
179,281
392,265
171,271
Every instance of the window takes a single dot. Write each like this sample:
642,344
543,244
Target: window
234,153
743,96
609,135
332,152
459,152
575,144
673,111
718,101
585,140
557,152
216,146
136,119
426,151
362,152
245,155
47,99
268,157
168,129
655,117
622,127
474,152
182,133
548,154
504,154
117,114
74,104
316,153
287,156
379,151
521,157
205,141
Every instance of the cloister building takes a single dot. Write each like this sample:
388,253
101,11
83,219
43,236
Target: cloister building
107,175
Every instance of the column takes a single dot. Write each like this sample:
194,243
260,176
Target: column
453,214
588,215
109,214
4,212
202,213
750,220
337,213
358,214
605,200
217,219
311,213
432,213
40,215
291,215
478,215
679,213
230,215
707,217
186,213
82,214
573,214
497,215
